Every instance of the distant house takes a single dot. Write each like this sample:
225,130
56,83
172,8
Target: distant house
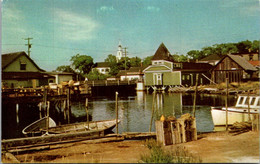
102,67
211,59
233,67
61,77
19,70
256,64
164,71
251,56
134,73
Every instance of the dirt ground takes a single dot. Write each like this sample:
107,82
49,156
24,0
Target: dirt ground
219,147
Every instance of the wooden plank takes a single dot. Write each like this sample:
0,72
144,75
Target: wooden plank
9,143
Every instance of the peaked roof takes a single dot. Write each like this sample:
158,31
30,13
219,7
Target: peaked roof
162,53
240,61
102,64
211,57
7,59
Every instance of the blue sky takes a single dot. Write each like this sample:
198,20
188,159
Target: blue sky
63,28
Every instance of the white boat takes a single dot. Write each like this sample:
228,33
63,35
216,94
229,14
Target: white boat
238,113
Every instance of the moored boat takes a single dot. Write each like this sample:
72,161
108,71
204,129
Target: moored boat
238,113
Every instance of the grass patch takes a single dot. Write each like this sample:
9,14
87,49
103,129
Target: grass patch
158,155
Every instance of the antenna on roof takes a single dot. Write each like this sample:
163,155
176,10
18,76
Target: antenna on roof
29,45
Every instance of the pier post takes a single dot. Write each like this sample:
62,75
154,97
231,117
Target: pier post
17,113
249,118
226,104
86,105
45,92
48,115
68,104
150,127
195,94
116,113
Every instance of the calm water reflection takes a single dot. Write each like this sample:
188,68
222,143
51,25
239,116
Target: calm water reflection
134,111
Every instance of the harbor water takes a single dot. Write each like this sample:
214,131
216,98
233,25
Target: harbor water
134,111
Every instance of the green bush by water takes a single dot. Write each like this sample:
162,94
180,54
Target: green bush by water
176,155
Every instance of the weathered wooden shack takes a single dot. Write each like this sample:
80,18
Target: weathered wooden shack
233,67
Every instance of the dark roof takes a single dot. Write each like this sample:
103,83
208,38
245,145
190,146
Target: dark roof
102,64
135,69
242,62
211,57
7,59
197,66
24,75
162,53
131,71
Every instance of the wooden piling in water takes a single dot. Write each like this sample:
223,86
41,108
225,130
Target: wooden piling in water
248,106
226,104
195,95
151,122
116,106
68,104
86,105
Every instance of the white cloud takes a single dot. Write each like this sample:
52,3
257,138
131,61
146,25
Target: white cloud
105,9
14,24
152,9
245,7
75,26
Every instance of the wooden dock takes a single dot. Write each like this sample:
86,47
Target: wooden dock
43,142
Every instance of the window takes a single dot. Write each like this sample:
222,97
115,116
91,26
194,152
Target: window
22,66
188,77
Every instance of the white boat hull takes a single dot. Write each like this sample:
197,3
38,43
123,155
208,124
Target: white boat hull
219,116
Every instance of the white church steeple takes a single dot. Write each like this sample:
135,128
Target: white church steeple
119,54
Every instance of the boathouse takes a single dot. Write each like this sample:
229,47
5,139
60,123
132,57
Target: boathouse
19,70
165,72
233,67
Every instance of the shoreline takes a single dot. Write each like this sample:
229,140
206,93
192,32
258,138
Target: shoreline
210,148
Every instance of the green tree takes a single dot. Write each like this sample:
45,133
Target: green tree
135,62
64,68
244,46
255,46
147,61
95,75
82,63
111,58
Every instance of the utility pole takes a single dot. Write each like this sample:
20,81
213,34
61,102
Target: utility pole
125,62
29,45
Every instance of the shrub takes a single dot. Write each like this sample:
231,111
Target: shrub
158,155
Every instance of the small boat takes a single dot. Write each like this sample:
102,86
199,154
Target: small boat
104,125
238,113
38,125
